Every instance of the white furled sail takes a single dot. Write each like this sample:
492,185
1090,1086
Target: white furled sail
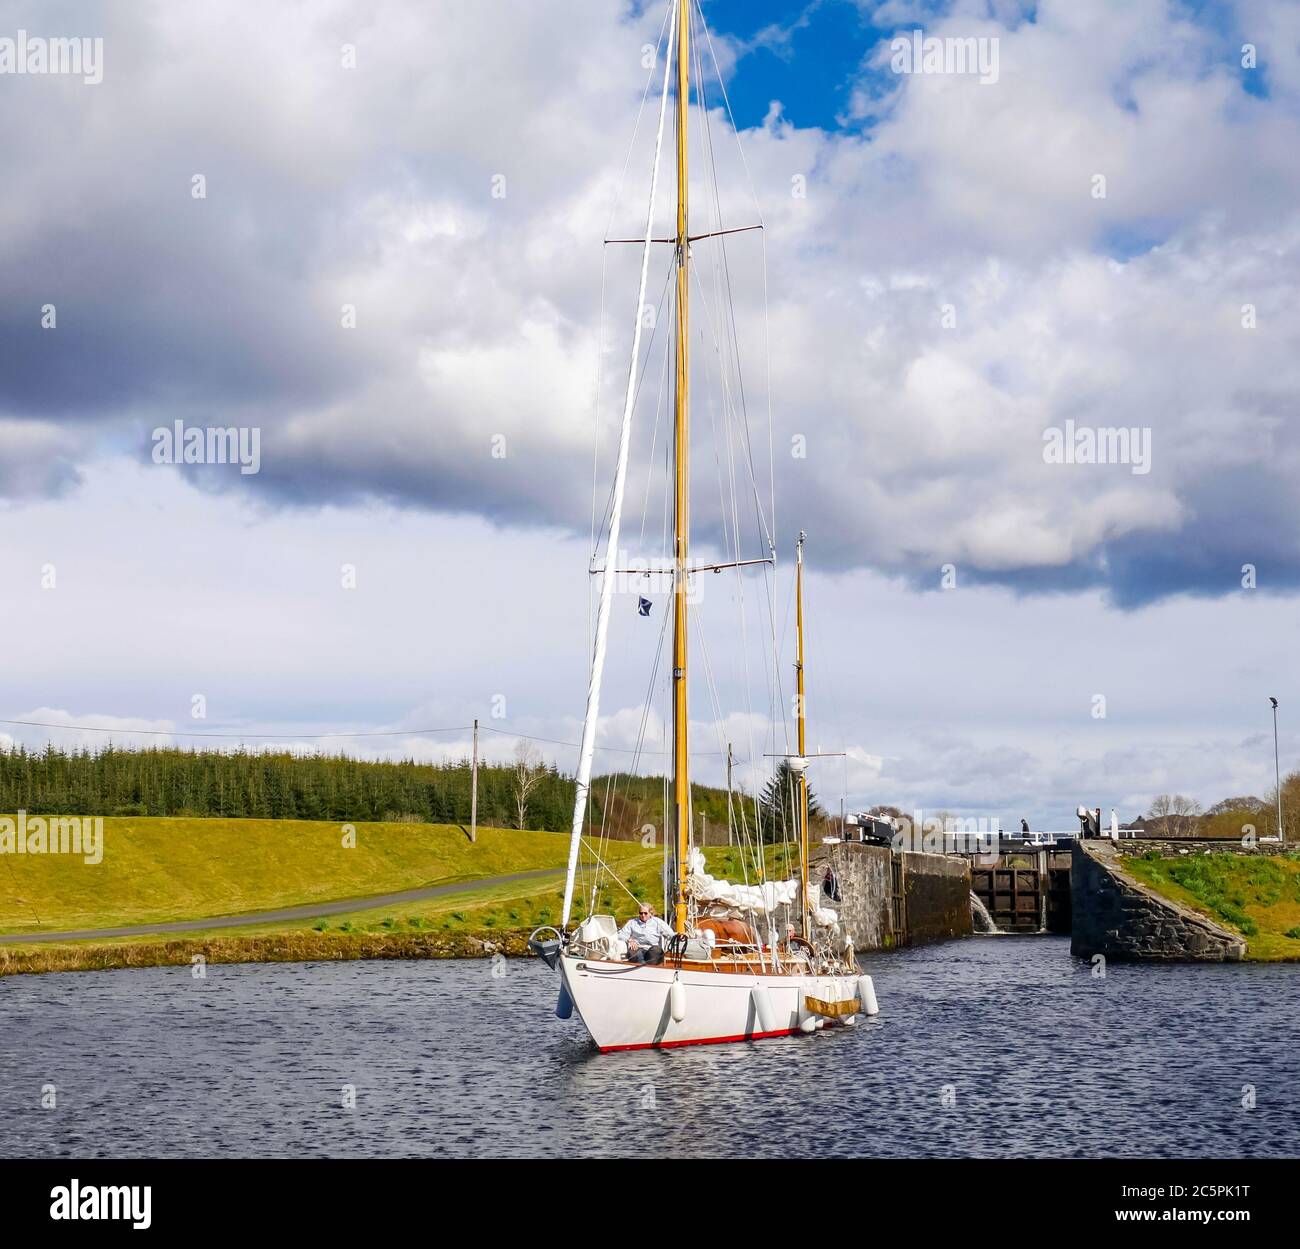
588,746
717,897
721,897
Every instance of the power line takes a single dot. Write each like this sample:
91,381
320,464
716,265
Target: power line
95,728
460,728
625,750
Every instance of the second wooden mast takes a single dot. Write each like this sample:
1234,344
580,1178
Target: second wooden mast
801,699
681,495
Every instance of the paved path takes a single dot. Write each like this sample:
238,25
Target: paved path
340,907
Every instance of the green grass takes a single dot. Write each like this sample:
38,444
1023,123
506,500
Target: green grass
779,863
455,918
158,869
1257,895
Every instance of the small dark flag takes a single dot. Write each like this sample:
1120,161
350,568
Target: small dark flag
643,606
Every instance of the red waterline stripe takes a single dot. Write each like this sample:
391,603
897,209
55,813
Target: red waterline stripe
708,1040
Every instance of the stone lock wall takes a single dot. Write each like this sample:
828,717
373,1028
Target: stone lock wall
1119,917
863,874
935,898
937,888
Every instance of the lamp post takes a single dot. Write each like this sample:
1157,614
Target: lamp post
1277,775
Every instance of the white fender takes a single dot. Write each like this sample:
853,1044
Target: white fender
763,1015
826,991
849,991
677,1001
867,996
807,1020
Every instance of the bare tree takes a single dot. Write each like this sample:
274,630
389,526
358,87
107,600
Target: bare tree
528,774
1186,813
1176,813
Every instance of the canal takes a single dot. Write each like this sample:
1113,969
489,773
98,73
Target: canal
990,1047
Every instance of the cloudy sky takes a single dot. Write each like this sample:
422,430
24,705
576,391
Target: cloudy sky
1101,234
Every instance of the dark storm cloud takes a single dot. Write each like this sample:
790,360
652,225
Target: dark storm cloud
1244,523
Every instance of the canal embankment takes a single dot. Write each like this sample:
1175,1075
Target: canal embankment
1118,915
1249,891
172,891
291,947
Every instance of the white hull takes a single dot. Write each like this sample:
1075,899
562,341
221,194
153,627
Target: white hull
627,1005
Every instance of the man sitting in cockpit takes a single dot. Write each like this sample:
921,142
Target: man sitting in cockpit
645,936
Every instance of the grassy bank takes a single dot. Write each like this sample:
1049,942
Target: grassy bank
731,863
473,923
158,869
1258,895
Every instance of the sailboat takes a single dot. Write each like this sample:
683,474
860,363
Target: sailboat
727,973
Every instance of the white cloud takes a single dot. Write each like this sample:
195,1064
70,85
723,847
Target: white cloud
37,459
89,730
480,316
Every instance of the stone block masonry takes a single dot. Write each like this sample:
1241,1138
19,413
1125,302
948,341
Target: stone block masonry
1116,916
889,899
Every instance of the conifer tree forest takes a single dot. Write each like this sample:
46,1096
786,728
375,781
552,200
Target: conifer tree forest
266,785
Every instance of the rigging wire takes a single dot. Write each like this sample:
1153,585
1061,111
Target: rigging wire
600,333
640,382
729,423
654,434
727,348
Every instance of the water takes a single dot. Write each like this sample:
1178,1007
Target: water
980,917
1040,1059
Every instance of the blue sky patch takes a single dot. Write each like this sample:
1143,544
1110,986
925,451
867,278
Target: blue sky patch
807,57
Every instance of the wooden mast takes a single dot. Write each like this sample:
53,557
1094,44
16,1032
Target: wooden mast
681,511
803,738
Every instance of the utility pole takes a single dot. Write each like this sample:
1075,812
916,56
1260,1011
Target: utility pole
473,798
1277,775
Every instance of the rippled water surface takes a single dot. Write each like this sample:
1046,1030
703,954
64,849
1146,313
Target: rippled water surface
1034,1055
